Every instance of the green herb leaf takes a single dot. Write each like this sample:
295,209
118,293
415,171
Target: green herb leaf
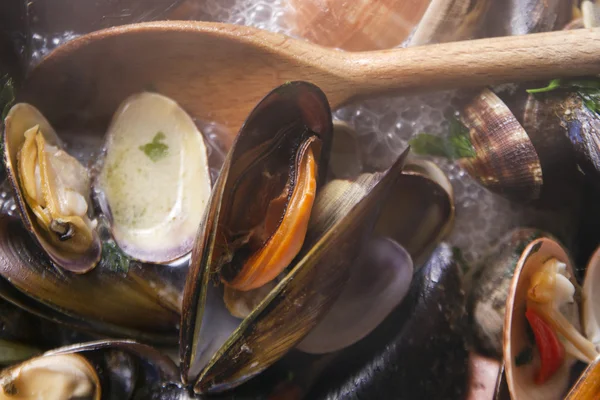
587,89
553,85
524,357
457,145
431,145
113,257
156,150
591,99
7,95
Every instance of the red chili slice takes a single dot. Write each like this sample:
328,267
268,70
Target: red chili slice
552,351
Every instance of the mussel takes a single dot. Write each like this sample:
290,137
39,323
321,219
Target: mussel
327,224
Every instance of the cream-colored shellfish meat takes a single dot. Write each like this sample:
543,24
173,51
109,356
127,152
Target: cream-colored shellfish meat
154,178
551,311
56,377
56,187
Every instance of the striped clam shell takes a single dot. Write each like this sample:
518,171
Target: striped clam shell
506,161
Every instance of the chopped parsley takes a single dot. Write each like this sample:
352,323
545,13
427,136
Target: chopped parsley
114,258
156,149
456,145
587,89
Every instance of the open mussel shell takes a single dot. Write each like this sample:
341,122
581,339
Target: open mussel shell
506,162
422,198
106,299
21,118
450,20
283,147
488,287
520,373
107,370
154,181
219,352
520,17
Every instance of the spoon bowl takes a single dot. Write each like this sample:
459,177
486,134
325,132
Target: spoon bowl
218,72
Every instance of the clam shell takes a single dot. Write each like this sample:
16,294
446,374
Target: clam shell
506,161
587,386
154,181
315,280
520,378
419,211
520,17
591,300
418,352
20,118
379,281
450,20
356,25
489,286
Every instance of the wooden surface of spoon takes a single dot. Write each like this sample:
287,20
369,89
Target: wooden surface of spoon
218,72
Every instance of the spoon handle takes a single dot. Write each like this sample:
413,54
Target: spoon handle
473,63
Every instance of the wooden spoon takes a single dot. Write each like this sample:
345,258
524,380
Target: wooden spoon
218,72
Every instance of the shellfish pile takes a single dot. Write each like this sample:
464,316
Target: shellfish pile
293,266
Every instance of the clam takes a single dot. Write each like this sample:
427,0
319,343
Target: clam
154,181
587,386
449,21
590,309
53,377
345,161
418,213
325,227
419,352
520,17
93,370
422,198
520,152
544,296
488,286
384,24
379,281
356,26
156,157
505,160
52,190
